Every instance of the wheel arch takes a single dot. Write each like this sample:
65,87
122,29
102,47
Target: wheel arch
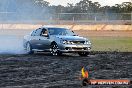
30,51
53,42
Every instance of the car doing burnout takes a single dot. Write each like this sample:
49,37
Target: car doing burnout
56,41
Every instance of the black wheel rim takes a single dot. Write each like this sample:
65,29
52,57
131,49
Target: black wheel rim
54,50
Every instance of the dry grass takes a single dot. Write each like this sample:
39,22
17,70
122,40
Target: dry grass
120,41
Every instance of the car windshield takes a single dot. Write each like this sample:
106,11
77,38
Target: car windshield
60,31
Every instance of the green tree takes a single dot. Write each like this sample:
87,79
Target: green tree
126,6
42,3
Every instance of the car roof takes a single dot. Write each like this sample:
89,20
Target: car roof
46,27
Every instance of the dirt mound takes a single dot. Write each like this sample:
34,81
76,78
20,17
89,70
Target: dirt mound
73,27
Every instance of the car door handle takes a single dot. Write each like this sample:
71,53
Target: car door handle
39,39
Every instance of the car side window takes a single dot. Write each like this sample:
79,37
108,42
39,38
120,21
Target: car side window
44,31
38,32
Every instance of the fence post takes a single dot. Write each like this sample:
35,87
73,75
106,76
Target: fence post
58,18
131,18
95,19
73,19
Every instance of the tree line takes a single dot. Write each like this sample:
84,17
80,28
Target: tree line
85,6
42,10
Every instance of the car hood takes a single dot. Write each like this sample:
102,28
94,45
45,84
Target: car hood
72,38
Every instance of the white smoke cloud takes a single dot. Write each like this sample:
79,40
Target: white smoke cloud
11,45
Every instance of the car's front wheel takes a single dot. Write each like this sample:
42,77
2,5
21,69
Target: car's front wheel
83,53
54,50
29,48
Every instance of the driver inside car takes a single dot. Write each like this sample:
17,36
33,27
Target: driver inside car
44,32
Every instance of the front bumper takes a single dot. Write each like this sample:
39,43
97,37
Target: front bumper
74,48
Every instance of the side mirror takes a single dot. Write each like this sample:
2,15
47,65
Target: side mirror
45,35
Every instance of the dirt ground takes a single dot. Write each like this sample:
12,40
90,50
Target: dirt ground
45,71
42,70
104,33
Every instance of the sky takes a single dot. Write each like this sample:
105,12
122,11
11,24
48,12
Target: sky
102,2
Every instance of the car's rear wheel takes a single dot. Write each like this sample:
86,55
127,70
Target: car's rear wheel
54,50
83,53
29,48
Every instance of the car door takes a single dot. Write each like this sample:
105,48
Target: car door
44,41
35,39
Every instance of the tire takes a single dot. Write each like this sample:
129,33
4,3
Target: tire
54,50
29,48
83,53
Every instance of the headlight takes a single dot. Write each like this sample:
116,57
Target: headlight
88,42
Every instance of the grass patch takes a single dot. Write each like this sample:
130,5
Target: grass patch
120,44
